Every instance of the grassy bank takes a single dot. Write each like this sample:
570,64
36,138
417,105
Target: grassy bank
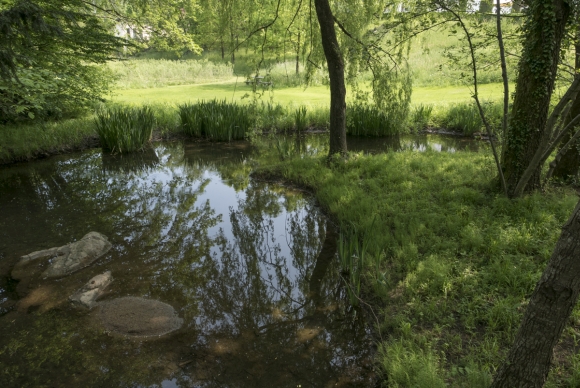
448,265
24,142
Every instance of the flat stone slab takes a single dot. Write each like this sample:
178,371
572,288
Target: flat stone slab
139,317
87,296
65,259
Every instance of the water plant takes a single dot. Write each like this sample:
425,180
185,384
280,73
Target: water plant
368,120
300,118
124,129
353,250
420,116
463,117
216,120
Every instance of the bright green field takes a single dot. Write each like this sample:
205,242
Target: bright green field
314,95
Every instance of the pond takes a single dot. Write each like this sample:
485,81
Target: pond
249,267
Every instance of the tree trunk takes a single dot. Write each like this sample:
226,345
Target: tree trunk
545,29
336,74
298,55
223,50
528,362
568,165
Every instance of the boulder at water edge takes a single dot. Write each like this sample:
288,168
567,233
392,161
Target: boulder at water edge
65,259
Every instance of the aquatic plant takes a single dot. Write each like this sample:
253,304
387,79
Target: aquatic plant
216,120
300,119
420,116
368,120
124,129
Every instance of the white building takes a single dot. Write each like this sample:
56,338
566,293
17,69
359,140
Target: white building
127,31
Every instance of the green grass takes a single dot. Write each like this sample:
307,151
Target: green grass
150,73
124,129
293,96
449,263
23,142
216,120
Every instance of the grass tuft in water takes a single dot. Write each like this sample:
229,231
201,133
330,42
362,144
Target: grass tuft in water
300,119
368,120
124,129
421,116
216,120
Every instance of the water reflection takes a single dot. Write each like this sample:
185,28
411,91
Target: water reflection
249,266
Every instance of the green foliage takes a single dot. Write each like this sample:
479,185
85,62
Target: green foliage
369,120
464,118
124,129
47,55
452,261
32,140
300,119
407,365
421,116
216,120
352,250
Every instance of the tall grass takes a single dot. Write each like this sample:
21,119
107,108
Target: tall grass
216,120
465,118
368,120
300,119
154,73
124,129
421,116
23,142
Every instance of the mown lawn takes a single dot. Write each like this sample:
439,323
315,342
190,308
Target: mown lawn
313,95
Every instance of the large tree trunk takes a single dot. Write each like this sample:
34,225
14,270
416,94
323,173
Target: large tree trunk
336,74
537,71
568,165
528,362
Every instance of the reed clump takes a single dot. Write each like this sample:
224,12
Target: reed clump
369,120
124,129
216,120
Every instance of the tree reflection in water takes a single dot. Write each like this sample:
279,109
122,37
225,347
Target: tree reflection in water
250,266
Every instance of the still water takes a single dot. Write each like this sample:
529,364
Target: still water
249,266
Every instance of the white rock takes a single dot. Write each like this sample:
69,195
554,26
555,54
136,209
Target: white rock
90,292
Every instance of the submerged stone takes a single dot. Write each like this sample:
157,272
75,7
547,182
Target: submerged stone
65,259
88,295
139,317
